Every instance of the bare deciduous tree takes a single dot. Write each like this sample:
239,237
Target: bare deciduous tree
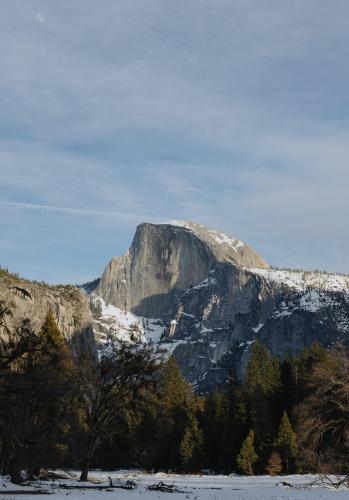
324,416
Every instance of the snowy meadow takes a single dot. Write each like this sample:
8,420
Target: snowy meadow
185,487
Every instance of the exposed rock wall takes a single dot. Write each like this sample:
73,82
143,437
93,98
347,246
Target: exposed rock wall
166,259
32,300
214,296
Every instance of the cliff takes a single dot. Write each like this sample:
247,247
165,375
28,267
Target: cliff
33,300
206,297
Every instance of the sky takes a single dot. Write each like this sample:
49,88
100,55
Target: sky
230,113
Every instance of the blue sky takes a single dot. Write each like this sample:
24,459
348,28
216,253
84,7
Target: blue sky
232,113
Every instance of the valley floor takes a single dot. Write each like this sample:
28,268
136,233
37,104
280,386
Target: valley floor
192,487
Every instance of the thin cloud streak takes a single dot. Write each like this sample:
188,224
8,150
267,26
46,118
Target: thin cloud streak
69,211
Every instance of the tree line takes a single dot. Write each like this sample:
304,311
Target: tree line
133,408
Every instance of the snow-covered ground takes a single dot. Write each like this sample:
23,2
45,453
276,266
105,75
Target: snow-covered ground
192,487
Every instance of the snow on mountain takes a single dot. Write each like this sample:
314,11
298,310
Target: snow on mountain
303,280
224,239
213,295
218,236
213,234
123,326
223,245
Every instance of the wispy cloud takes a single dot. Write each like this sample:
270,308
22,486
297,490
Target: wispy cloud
69,211
234,114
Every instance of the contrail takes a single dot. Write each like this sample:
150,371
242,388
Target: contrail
68,210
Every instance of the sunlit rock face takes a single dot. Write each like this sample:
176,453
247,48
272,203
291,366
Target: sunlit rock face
167,259
206,297
31,300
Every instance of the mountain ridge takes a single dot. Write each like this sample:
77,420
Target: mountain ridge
203,296
213,299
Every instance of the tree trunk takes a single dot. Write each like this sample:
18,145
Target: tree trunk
15,471
84,470
91,449
33,471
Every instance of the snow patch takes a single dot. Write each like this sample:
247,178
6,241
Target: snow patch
205,283
224,239
117,325
257,328
216,237
312,301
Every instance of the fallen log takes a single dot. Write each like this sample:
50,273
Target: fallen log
128,485
166,488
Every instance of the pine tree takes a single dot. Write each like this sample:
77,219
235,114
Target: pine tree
274,465
286,441
247,456
214,420
289,381
177,427
262,387
190,448
306,362
174,388
263,371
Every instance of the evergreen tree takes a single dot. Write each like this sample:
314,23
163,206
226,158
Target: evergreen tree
274,465
305,364
190,448
286,441
215,422
289,382
247,456
223,421
96,308
262,371
178,428
262,389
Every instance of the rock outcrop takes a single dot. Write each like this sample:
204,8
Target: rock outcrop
33,300
211,296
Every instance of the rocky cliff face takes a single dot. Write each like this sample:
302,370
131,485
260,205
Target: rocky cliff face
33,300
166,259
207,297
